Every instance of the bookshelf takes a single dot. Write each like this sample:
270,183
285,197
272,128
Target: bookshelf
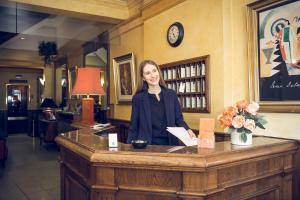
189,78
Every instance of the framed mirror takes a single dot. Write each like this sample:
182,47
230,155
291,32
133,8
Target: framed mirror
96,55
61,82
17,99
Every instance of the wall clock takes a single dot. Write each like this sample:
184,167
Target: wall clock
175,34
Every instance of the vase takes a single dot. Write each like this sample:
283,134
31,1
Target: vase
236,139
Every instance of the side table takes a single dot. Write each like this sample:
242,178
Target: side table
48,130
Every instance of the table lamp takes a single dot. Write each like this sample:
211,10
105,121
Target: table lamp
48,106
88,83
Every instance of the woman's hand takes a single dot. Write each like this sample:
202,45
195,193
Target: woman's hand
191,133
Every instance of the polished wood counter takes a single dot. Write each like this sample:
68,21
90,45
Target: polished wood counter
90,170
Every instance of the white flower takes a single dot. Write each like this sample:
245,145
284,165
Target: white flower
250,125
238,121
252,108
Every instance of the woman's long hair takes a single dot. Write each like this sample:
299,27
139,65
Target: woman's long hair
141,84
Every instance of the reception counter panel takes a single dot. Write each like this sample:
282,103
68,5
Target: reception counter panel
90,170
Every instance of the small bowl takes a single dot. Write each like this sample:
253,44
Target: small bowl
139,144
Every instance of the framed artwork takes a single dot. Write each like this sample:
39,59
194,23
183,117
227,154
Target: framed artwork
124,75
274,54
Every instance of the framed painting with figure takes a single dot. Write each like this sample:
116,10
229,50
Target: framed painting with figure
274,54
124,75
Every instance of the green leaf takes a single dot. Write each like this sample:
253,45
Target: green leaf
244,137
247,131
262,121
260,126
240,130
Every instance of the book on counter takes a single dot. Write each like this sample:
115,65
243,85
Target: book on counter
100,126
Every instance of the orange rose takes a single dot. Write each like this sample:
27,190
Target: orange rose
230,111
238,121
225,121
243,104
250,124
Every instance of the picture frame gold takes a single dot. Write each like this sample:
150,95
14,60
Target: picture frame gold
271,90
124,76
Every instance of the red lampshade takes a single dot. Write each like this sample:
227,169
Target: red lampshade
88,82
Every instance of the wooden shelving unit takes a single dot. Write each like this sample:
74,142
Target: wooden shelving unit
189,78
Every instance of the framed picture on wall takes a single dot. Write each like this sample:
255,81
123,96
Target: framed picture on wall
274,54
124,75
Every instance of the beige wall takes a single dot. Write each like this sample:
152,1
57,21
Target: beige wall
201,37
130,41
216,28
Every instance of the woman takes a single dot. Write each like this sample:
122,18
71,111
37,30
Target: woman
154,108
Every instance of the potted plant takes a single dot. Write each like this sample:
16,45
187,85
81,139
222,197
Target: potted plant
48,50
241,120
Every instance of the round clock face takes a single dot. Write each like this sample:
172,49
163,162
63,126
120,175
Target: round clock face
175,34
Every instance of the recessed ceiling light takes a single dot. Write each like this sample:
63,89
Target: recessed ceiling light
22,38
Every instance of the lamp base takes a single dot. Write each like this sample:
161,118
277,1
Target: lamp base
87,111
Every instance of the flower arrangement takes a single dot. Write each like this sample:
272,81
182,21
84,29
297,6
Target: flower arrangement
243,118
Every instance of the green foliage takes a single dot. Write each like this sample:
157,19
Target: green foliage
243,118
48,50
244,137
261,120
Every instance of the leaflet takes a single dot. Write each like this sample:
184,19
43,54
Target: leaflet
182,134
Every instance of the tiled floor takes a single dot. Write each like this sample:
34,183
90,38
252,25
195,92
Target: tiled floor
32,171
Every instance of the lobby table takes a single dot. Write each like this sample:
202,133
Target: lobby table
90,170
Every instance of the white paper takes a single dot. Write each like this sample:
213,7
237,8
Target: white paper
188,71
203,69
183,135
203,86
100,126
165,74
198,102
174,73
188,86
193,102
182,70
112,140
198,70
169,73
193,70
174,86
188,102
193,86
182,87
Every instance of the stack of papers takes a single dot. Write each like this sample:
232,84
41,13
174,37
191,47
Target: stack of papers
182,134
100,126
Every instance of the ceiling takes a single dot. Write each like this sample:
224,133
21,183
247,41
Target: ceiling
21,29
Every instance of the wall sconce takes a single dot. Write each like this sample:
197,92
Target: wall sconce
42,80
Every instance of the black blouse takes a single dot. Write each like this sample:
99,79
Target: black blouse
158,116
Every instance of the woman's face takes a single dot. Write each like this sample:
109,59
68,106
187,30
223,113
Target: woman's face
151,75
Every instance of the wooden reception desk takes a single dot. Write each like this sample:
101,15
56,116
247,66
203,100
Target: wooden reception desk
90,170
